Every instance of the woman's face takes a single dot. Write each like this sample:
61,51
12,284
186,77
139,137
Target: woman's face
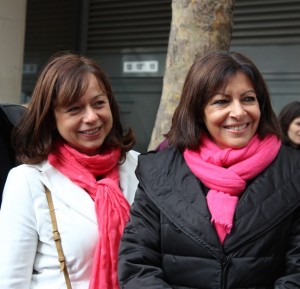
294,131
232,115
85,124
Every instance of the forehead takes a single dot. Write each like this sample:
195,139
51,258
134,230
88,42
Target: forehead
72,90
297,120
238,80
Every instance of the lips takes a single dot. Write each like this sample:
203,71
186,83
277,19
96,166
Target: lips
236,127
91,131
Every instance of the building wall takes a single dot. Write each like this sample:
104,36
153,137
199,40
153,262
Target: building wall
126,37
12,33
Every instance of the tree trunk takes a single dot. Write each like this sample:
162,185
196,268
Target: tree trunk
198,26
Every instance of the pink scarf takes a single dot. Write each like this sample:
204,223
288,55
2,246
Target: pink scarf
226,171
112,209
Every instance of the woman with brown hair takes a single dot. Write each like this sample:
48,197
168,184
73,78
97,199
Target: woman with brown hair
289,119
220,206
71,143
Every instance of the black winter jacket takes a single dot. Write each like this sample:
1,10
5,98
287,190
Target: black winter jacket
170,242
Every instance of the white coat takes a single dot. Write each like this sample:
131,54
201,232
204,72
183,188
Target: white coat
28,256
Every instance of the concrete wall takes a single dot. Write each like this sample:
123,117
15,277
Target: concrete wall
12,33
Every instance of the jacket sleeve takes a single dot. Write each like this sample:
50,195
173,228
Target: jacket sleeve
18,236
139,254
291,274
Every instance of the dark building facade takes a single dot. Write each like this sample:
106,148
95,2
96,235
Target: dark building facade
129,39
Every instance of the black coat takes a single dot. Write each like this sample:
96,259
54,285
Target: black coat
9,117
169,241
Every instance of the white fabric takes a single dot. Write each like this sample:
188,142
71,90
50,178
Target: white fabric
26,243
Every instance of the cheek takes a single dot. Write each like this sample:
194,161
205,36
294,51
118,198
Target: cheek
214,121
256,112
109,118
291,129
66,127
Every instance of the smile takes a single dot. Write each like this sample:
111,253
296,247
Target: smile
236,127
91,132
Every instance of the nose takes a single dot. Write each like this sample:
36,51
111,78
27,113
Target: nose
237,110
90,115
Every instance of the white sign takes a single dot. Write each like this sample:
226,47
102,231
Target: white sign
140,66
29,68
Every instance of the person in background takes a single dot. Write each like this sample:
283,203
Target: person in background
9,116
289,119
219,207
72,142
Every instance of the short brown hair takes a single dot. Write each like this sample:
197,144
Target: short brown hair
63,81
205,77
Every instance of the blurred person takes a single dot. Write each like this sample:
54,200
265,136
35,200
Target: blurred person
219,205
9,116
289,119
71,142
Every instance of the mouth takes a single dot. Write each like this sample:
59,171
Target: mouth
91,131
236,127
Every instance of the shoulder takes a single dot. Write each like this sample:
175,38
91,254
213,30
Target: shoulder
159,156
23,184
10,114
288,158
32,177
130,161
128,180
28,171
284,171
24,171
160,162
132,156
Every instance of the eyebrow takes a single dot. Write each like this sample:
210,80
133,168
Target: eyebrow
250,90
99,94
225,94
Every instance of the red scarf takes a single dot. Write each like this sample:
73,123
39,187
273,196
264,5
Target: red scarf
226,171
112,209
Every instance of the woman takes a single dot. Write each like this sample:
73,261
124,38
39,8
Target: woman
289,119
219,207
71,141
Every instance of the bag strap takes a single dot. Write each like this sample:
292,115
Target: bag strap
56,237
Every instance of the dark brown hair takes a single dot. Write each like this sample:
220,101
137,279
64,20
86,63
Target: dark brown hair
62,82
286,117
205,77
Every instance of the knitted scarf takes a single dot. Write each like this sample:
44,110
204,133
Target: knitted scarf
226,171
112,209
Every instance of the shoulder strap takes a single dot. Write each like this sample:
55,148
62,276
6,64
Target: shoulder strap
56,236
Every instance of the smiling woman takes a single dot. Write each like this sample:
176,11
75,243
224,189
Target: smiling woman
70,141
232,114
219,206
86,123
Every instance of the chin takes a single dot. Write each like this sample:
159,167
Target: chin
233,145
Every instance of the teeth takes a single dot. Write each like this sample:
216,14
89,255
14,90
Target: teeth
91,131
237,128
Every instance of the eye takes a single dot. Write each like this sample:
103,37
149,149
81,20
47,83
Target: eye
219,101
249,98
73,109
99,103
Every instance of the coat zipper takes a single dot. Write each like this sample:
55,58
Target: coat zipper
225,261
